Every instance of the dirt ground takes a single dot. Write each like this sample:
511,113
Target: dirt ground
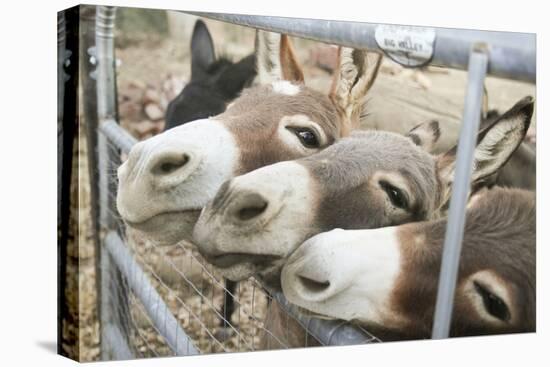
161,63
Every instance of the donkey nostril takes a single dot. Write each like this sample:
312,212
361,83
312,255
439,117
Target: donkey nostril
248,206
171,164
251,212
313,286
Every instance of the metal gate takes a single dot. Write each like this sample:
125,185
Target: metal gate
134,297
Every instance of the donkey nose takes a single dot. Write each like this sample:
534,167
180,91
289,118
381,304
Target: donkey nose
247,207
312,273
170,167
169,163
310,283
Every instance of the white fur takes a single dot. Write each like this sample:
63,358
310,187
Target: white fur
213,157
361,265
285,87
268,48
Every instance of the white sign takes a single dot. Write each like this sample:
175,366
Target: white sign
407,45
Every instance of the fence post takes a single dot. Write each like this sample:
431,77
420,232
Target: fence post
114,305
477,69
89,120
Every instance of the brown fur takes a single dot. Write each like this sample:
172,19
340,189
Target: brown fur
254,119
500,234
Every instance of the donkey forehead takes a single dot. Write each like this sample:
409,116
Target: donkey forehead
353,160
266,105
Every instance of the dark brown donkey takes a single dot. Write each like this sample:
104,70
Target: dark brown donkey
387,278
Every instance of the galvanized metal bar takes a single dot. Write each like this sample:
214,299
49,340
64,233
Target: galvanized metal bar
328,332
118,135
114,303
88,118
513,55
461,187
153,303
106,106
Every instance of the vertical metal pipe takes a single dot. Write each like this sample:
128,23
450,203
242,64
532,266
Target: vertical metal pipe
114,301
106,106
89,119
477,69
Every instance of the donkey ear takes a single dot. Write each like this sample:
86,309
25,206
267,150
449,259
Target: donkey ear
276,59
237,77
291,69
268,64
357,72
495,144
425,135
202,48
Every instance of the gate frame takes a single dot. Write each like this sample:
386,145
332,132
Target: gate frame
509,55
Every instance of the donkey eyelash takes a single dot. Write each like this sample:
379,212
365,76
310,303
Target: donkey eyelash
493,303
297,130
401,200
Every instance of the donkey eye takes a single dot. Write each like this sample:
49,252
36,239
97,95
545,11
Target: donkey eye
306,136
396,196
493,304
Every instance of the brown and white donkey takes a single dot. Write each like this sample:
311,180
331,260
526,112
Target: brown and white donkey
169,178
387,278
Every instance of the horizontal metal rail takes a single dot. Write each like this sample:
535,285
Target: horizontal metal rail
511,55
118,135
327,332
156,308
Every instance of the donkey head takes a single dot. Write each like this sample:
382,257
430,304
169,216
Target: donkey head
370,179
214,82
170,177
387,278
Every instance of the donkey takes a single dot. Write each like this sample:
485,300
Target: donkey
168,178
370,179
386,279
214,83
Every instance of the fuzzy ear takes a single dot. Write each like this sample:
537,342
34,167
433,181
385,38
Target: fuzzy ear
291,69
237,77
202,48
495,145
357,72
276,59
425,135
268,64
